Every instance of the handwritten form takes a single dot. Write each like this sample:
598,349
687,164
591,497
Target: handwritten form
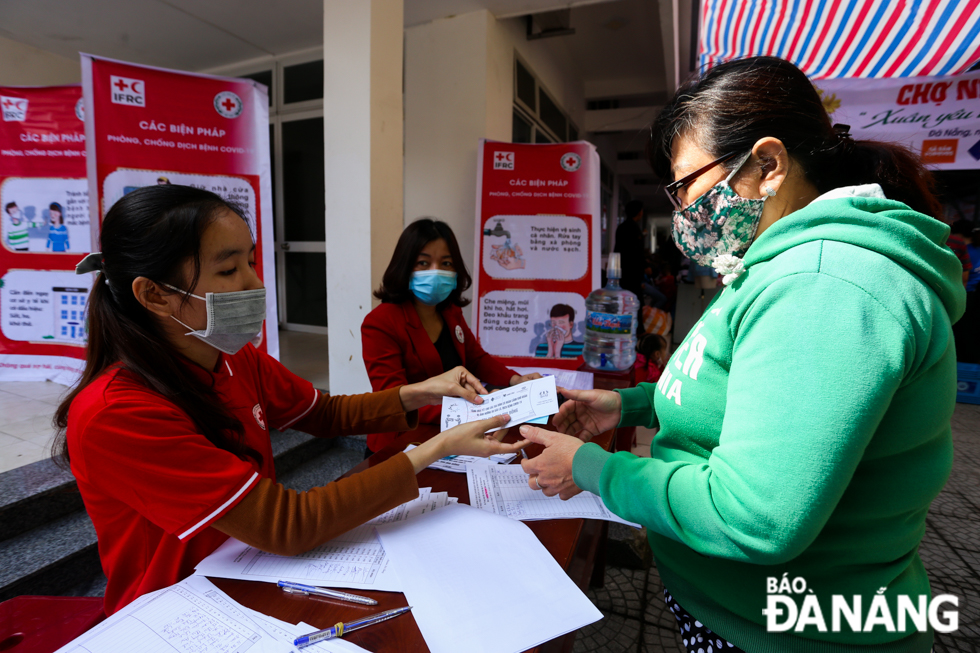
503,490
524,402
465,597
354,560
191,617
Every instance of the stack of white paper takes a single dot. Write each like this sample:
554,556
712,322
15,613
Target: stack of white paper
353,560
503,490
194,616
457,569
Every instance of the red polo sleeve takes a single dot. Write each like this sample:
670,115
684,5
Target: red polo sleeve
288,398
146,452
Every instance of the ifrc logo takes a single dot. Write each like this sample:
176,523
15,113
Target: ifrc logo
14,108
257,414
571,162
503,161
131,92
228,104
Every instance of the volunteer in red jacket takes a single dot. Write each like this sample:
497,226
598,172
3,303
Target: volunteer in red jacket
418,331
168,428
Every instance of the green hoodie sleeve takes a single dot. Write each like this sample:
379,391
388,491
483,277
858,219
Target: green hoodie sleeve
815,361
637,410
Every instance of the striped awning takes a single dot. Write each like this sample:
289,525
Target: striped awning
845,38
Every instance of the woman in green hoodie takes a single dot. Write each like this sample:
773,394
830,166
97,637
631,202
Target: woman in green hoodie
804,422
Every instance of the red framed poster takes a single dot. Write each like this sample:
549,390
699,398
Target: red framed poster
44,232
537,250
154,126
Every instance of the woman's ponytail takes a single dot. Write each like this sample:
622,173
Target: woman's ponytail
898,171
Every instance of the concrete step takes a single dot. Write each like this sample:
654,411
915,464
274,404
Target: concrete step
48,543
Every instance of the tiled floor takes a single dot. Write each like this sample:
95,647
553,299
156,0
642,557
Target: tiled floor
26,432
636,619
26,409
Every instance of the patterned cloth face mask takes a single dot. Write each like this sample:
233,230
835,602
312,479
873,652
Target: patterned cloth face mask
719,222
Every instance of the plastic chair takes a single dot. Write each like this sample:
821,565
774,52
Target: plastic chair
42,624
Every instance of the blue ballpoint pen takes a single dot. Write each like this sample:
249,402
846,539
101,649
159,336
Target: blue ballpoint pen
300,588
339,629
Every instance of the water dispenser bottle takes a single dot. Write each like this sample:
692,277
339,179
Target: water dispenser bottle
610,323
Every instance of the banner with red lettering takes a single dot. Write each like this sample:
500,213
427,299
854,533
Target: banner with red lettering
44,232
154,126
537,250
937,117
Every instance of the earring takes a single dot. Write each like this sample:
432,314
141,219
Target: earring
770,192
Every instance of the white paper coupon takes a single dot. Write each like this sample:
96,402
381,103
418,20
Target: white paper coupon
523,402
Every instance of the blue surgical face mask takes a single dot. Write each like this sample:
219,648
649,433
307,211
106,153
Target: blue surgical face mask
432,286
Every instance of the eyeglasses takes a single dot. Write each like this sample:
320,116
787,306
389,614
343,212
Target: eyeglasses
671,189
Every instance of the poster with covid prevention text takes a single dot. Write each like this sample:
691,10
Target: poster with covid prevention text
537,250
938,118
148,126
44,232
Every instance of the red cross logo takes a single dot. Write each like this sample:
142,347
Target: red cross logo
8,104
569,162
121,85
501,156
228,104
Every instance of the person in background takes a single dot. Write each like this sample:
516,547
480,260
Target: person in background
804,422
17,237
629,244
167,431
418,330
57,231
651,358
559,341
657,299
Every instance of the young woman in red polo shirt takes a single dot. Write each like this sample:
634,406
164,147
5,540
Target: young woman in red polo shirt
167,432
418,330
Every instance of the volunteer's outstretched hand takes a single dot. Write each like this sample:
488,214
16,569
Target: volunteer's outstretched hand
470,439
457,382
551,470
588,413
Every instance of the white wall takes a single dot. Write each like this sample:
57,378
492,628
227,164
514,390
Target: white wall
549,59
459,88
362,63
446,99
24,65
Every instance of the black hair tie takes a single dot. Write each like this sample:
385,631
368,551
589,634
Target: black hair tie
843,132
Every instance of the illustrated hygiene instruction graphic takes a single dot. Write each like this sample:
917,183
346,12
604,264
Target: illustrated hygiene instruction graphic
537,245
44,232
151,126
